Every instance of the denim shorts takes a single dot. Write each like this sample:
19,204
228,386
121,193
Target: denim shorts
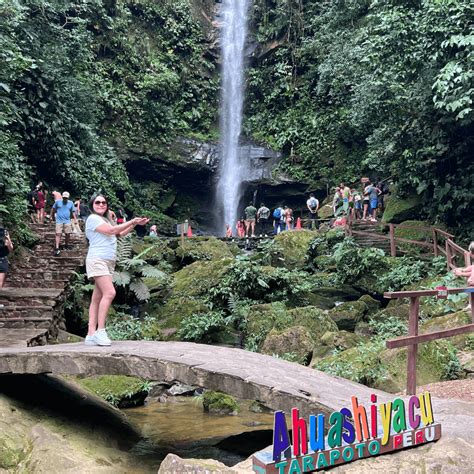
374,203
3,265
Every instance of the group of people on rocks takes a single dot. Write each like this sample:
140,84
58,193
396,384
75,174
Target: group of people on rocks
263,221
362,204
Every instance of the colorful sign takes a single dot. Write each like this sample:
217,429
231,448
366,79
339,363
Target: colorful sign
351,435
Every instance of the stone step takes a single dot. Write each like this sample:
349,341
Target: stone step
24,311
29,296
23,337
26,322
27,274
20,283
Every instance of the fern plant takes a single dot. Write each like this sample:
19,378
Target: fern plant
132,269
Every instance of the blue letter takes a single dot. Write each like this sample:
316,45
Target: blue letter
349,434
316,435
281,440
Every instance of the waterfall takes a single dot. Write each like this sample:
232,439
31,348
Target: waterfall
233,170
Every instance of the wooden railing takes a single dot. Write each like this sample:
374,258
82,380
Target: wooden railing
436,240
413,338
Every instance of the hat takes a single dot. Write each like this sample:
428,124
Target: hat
66,195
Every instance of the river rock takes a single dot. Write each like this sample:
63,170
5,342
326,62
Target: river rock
347,315
293,247
219,403
399,209
295,341
325,297
373,305
341,340
175,464
181,389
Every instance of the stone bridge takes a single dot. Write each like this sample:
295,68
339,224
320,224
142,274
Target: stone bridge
276,383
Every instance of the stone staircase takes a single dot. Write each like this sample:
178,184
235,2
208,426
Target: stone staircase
373,237
32,300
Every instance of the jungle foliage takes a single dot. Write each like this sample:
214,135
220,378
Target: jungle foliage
349,87
82,80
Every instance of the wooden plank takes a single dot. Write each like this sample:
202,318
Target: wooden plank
393,247
413,348
444,233
431,336
435,243
456,247
409,294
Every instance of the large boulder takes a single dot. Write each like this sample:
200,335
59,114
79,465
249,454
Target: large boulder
347,315
189,287
449,321
293,247
399,209
341,340
295,342
262,318
373,305
202,248
326,297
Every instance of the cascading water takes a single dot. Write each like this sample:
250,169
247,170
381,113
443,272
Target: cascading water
233,170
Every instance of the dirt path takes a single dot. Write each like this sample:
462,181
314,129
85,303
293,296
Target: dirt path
458,389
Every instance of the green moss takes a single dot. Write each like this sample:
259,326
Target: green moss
347,315
116,389
262,318
372,304
400,209
13,450
448,322
203,248
293,247
219,403
414,230
341,340
295,341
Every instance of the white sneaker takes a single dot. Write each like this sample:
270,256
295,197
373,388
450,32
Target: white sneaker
101,338
90,341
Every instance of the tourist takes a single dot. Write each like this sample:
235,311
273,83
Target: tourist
153,230
40,204
313,206
336,201
56,196
250,219
63,209
228,231
467,272
288,222
382,185
102,234
82,210
263,220
6,246
372,192
345,194
240,228
278,219
357,204
31,199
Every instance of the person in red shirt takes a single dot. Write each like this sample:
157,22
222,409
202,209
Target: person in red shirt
40,203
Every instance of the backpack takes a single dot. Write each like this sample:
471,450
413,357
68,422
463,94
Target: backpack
277,213
313,203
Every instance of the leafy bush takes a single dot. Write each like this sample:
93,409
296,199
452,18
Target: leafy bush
124,327
405,271
200,327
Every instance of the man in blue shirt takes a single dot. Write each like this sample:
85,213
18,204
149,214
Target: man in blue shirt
63,209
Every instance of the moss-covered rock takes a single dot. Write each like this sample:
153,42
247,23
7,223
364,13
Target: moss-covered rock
326,297
326,212
436,361
449,321
262,318
347,315
189,287
400,312
399,209
202,248
293,246
341,340
119,390
219,403
373,305
296,341
412,230
13,450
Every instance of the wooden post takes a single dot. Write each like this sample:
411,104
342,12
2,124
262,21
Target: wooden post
448,254
435,242
467,258
412,349
393,247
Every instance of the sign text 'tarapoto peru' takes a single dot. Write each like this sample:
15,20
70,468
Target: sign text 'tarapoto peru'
352,434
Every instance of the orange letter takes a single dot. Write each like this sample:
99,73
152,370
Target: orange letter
360,420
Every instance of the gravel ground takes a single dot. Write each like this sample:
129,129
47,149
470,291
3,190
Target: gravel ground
459,389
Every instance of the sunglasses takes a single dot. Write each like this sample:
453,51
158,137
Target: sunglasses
100,203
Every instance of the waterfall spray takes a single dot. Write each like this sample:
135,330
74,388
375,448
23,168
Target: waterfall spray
233,170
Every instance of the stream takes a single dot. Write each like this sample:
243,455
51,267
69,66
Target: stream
180,426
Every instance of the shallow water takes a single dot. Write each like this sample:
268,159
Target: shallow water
181,426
